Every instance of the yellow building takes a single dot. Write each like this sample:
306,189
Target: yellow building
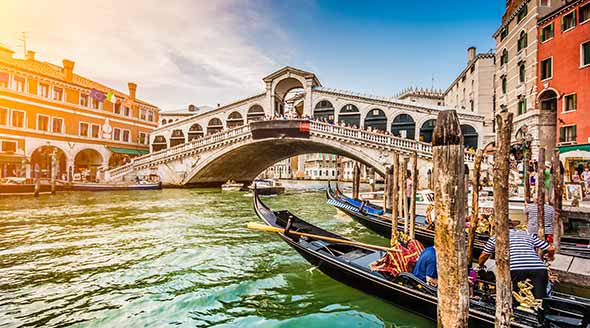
46,108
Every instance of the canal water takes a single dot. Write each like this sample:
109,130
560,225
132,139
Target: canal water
174,257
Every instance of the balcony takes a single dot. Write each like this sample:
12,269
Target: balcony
521,89
502,71
502,100
521,56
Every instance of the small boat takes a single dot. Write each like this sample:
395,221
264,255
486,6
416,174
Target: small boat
349,264
232,186
20,187
267,187
91,186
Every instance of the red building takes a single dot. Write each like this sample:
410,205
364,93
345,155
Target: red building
563,79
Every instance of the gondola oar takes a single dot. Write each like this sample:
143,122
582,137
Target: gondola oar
263,227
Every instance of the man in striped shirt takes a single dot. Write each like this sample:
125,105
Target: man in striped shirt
524,261
531,213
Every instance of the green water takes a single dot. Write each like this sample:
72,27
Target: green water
172,258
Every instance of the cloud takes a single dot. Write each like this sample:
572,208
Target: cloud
179,52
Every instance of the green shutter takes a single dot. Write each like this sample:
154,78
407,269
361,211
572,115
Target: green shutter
562,23
574,133
561,134
575,102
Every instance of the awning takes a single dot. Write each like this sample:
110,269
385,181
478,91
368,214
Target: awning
565,149
128,151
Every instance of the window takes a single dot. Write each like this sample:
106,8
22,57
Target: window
585,13
567,133
3,116
57,124
143,138
58,94
18,119
83,129
522,41
570,102
116,134
547,32
95,131
94,103
504,33
9,146
42,122
142,114
150,116
44,90
521,105
126,111
585,54
18,83
4,79
522,73
118,108
545,3
84,100
126,136
504,84
546,69
568,21
522,14
504,58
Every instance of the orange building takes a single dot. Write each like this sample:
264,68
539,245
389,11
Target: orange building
45,108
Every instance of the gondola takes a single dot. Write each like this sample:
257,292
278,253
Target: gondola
371,217
349,264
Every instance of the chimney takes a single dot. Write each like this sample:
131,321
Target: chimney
5,52
471,54
132,90
68,70
30,55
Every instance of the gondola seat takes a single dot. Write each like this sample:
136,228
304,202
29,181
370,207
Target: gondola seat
564,313
409,280
366,260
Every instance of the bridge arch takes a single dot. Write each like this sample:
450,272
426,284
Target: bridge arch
404,125
177,137
426,130
255,113
281,88
234,119
376,119
215,125
195,132
324,110
350,115
470,136
159,143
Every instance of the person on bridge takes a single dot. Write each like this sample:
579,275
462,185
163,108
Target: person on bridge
524,261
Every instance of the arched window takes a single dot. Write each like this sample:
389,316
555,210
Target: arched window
522,41
324,110
426,130
159,143
255,113
164,122
522,73
350,115
404,126
234,120
215,125
195,132
504,58
177,138
376,119
469,136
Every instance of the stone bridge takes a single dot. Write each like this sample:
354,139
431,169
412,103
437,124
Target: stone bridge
241,153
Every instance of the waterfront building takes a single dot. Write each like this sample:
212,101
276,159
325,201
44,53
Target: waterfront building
170,116
473,90
423,96
563,83
46,108
517,69
321,167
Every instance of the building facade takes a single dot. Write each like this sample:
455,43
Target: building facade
168,117
423,96
516,72
46,108
473,90
563,83
321,167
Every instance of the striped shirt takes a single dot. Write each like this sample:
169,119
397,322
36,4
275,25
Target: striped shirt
531,212
522,250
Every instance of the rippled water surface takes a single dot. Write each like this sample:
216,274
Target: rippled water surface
174,257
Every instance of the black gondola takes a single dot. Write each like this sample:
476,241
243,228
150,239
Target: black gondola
349,264
366,216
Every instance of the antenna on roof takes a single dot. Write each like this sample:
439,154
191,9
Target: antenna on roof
23,39
432,81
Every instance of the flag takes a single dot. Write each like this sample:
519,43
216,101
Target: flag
97,95
111,97
4,77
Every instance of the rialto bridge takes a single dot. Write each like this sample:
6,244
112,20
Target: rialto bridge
221,144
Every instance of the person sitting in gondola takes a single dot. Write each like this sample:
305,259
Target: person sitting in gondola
425,268
525,264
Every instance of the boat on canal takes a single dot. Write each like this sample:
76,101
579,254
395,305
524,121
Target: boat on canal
350,264
232,186
267,187
376,219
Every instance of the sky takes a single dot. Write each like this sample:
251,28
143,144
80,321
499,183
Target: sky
210,52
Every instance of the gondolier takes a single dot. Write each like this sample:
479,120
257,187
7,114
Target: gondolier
524,261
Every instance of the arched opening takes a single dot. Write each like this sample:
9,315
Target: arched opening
426,130
215,125
469,136
164,122
548,103
376,120
404,126
234,120
159,143
86,164
42,157
350,115
195,132
255,113
170,121
284,93
177,138
548,100
324,111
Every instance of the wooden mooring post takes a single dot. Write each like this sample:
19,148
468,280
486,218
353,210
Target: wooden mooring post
527,176
474,217
356,179
405,205
413,197
387,188
541,195
502,226
53,171
557,200
37,174
394,199
449,199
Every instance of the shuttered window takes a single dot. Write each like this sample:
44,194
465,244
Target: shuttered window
585,54
567,133
568,21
